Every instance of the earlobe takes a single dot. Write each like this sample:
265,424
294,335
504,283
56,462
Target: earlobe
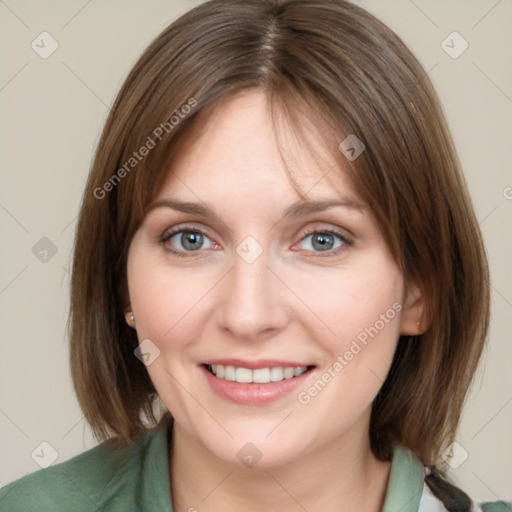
412,321
130,318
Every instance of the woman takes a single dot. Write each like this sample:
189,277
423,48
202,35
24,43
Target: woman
278,264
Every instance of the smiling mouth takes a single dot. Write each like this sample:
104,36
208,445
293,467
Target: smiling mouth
256,376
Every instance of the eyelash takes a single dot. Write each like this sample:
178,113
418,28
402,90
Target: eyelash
346,242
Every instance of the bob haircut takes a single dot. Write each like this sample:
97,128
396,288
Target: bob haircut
335,66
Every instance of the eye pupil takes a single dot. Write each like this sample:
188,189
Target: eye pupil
191,241
325,241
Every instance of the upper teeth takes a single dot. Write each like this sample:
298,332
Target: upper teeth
259,376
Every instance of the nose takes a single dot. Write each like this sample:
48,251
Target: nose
251,302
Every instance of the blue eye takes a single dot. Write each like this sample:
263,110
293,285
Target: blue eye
186,240
325,241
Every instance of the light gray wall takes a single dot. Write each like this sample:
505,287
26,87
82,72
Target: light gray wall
53,110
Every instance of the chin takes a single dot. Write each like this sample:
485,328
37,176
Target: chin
254,448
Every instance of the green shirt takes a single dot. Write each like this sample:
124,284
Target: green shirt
136,478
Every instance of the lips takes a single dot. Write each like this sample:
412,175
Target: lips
257,376
254,382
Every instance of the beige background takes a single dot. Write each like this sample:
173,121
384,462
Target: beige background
52,113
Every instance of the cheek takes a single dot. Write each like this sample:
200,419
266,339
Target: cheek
358,332
372,312
161,299
354,305
363,316
166,303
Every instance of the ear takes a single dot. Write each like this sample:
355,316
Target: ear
128,311
413,319
129,316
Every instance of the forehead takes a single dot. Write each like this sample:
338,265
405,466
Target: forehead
234,149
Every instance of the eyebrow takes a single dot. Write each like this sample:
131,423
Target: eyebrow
296,210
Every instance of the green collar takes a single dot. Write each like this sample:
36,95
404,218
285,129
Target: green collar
155,484
405,482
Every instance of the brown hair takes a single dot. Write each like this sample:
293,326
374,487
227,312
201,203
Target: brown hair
348,73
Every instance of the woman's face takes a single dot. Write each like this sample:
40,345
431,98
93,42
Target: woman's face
297,309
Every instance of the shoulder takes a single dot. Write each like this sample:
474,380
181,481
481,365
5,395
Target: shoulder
80,484
407,484
430,503
496,506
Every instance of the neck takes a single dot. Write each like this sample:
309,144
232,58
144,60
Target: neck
344,476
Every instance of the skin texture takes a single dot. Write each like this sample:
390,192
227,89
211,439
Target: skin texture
294,302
